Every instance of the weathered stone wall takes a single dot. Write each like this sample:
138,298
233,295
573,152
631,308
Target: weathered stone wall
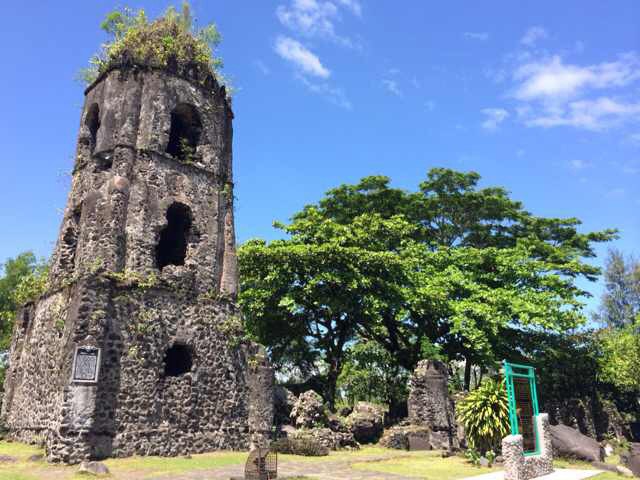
430,404
519,467
107,291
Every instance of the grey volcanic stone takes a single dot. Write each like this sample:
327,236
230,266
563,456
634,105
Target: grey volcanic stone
309,411
366,422
632,459
145,271
624,471
430,404
93,468
327,438
519,467
569,442
283,402
399,436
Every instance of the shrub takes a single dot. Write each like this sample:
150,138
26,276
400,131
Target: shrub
306,446
168,40
485,416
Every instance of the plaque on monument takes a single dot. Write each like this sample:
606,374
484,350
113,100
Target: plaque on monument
86,364
418,442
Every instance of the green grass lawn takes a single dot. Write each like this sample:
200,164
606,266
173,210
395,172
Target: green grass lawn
426,465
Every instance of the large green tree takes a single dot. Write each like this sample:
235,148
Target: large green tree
21,279
452,265
619,313
13,274
621,299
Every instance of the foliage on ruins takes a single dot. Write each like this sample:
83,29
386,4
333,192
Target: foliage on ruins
484,413
464,268
169,40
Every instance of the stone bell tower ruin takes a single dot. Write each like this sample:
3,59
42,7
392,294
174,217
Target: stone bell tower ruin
137,347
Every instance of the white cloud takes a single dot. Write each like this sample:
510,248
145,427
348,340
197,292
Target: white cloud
316,18
553,93
551,78
482,36
301,57
494,117
597,114
392,86
532,35
334,95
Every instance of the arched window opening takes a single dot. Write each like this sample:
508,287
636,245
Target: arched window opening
172,247
92,121
103,162
70,240
178,360
25,320
185,131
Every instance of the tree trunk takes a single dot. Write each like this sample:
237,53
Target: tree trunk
332,382
467,375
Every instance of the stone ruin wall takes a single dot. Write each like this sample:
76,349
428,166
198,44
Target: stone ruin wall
106,291
430,405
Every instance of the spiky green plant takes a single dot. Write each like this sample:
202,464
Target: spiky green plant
484,413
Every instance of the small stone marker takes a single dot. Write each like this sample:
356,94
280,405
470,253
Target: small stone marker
418,442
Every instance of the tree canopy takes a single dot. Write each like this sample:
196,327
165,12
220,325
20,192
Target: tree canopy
452,265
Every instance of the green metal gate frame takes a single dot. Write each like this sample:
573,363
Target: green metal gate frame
512,370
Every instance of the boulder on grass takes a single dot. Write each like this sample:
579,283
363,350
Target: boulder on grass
326,437
93,468
308,411
283,402
569,442
406,437
307,447
366,422
632,459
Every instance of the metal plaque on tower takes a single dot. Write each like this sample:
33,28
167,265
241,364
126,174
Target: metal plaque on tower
86,364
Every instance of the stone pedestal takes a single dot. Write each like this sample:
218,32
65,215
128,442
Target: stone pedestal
517,466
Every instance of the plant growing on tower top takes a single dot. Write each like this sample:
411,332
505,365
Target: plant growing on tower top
170,41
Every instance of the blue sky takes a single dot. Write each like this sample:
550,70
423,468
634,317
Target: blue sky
541,97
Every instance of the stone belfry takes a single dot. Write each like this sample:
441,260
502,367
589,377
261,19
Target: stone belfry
137,347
